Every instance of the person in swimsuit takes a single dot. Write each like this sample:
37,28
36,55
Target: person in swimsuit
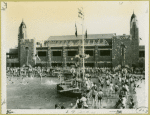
56,106
124,101
111,89
102,83
94,86
124,89
94,95
116,89
127,81
107,83
30,72
78,103
131,104
127,89
62,107
131,80
84,101
100,79
119,102
88,87
100,95
134,87
119,78
106,77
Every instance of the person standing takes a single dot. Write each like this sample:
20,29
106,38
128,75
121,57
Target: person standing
102,82
116,89
84,100
95,86
107,87
56,106
119,102
78,103
131,104
111,89
94,95
100,95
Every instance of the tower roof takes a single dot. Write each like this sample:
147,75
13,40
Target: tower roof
133,16
22,24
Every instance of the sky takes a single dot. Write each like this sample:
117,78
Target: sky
45,19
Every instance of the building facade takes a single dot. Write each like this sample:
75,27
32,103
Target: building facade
105,50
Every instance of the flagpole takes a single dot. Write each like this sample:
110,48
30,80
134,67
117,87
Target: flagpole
81,15
35,60
83,45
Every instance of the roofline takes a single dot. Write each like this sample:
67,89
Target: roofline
81,34
77,39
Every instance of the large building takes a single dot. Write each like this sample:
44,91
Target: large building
105,50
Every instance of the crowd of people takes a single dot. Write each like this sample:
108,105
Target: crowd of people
117,82
50,71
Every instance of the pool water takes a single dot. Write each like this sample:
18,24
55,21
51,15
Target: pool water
32,93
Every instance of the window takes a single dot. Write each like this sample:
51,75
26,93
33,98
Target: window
104,52
89,64
26,48
41,53
72,53
90,52
57,64
56,53
141,54
70,64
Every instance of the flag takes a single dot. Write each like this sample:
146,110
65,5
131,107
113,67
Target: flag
80,13
86,33
75,30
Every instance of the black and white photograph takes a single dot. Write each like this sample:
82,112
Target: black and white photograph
74,57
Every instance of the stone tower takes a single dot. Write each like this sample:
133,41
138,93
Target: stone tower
134,32
21,35
26,47
27,52
22,31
